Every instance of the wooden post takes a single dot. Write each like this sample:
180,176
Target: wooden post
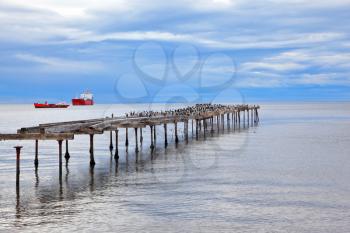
126,137
248,116
110,140
196,129
36,159
18,158
204,128
218,122
232,119
223,121
176,137
116,154
243,118
239,118
212,124
235,119
92,158
60,157
186,130
141,137
155,133
136,142
252,116
165,135
67,155
152,143
228,120
192,127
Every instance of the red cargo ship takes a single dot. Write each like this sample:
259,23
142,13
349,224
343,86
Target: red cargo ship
46,105
86,98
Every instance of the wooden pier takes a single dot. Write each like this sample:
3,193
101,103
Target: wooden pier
201,117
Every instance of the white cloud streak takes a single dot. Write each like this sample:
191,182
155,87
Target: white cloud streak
54,64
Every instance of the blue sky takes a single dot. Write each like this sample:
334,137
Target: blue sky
204,50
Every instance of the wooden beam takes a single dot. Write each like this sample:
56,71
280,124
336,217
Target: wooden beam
36,136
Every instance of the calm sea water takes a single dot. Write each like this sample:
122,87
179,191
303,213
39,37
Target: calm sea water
289,174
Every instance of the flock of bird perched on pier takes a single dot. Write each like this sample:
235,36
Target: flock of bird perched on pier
197,109
202,116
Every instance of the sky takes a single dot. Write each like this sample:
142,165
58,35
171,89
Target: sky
161,51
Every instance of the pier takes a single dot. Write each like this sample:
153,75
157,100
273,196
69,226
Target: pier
202,118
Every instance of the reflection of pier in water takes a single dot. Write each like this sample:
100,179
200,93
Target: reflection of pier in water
203,119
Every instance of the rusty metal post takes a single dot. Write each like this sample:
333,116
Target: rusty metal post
92,158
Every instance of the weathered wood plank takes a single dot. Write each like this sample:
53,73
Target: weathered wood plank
99,125
36,136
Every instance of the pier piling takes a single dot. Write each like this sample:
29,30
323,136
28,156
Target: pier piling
176,136
92,158
36,159
136,142
141,137
67,155
116,153
110,140
18,168
165,135
60,157
152,143
126,138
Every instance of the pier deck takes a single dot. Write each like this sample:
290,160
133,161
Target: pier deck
203,117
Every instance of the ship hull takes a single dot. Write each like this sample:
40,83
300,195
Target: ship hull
38,105
82,102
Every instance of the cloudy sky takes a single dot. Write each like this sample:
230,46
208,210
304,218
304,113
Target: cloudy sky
134,50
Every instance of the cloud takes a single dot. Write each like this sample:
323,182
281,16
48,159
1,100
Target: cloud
300,67
92,21
276,43
53,64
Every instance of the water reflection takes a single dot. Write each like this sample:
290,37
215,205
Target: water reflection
51,196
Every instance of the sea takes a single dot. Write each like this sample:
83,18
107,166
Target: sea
290,173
